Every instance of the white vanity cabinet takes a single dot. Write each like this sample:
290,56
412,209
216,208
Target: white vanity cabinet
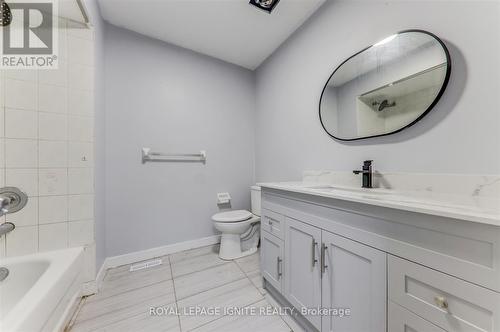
354,278
324,270
402,320
394,270
302,267
448,302
271,259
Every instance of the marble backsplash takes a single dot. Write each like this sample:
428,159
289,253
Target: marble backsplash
487,186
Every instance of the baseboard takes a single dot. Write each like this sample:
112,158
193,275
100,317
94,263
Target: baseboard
138,256
92,287
101,274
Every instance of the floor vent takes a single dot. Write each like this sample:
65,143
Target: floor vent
145,265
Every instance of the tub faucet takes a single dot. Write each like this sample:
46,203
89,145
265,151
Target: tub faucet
367,173
11,200
6,227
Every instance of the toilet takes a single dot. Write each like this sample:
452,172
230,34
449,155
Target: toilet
240,229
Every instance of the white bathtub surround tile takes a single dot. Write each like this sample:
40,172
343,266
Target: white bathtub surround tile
28,216
2,152
77,30
21,153
2,90
80,77
62,47
21,123
52,126
52,98
80,181
198,282
80,102
53,236
22,241
20,94
238,294
81,233
80,128
52,154
25,179
54,76
52,209
2,116
80,51
80,207
2,246
35,153
89,271
21,74
53,181
80,154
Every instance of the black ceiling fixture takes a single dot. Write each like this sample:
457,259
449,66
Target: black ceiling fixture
266,5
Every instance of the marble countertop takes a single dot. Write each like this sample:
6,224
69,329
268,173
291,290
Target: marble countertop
484,210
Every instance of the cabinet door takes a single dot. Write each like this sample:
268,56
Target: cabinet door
354,278
271,258
450,303
302,271
402,320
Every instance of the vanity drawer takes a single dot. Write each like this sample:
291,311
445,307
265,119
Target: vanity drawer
273,223
402,320
448,302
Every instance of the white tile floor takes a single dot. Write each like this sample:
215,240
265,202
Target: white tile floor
187,280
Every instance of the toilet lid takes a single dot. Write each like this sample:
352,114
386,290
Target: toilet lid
232,216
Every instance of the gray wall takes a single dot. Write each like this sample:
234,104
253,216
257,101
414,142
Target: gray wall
99,132
172,100
461,134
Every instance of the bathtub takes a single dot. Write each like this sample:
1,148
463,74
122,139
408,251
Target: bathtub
40,289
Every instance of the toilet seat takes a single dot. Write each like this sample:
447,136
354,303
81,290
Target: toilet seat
232,216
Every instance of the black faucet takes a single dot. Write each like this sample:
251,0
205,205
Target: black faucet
367,173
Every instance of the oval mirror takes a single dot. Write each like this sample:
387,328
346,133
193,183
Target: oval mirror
386,87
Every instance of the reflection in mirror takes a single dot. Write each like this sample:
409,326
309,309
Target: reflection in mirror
386,87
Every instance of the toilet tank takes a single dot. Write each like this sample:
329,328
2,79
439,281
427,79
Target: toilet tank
255,197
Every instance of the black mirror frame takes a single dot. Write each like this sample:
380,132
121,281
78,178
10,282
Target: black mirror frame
441,91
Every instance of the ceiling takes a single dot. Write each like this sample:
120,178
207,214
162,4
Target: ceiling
230,30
